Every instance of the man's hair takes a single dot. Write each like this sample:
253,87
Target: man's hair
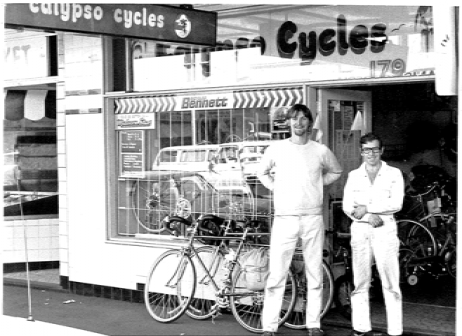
299,107
368,138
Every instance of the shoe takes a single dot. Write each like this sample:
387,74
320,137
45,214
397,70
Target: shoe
268,333
315,332
367,333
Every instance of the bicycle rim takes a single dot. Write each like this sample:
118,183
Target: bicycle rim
297,318
247,308
201,305
169,288
417,237
148,215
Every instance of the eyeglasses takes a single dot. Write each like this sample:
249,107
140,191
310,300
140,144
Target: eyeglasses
374,150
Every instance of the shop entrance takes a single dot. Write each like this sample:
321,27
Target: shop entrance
418,129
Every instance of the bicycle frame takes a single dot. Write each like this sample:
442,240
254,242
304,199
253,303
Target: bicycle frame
191,250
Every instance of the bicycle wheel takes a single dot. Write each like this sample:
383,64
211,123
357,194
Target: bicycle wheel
201,305
297,318
147,207
247,305
343,288
409,271
451,262
170,286
417,237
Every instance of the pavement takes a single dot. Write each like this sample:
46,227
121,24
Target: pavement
21,326
429,310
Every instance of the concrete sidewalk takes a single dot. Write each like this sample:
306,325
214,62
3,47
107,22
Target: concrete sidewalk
428,312
16,326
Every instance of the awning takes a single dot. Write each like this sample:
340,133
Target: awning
30,104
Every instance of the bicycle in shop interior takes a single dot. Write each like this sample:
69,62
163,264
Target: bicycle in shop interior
203,280
344,284
429,235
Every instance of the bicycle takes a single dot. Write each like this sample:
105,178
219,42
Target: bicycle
202,308
170,289
428,244
440,258
344,284
297,318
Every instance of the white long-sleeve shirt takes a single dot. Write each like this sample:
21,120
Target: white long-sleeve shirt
296,174
384,197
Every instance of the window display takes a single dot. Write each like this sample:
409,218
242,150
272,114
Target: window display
30,178
198,159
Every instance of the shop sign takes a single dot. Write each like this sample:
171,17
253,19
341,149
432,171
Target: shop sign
135,121
25,58
153,22
205,102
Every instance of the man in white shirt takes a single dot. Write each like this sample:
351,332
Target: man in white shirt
296,169
373,193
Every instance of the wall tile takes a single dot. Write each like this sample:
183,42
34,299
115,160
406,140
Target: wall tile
45,231
63,242
61,133
61,160
63,257
62,172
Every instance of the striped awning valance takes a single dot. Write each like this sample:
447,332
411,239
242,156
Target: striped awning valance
30,104
145,104
268,98
240,99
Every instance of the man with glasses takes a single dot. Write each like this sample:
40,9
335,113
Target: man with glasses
302,167
373,193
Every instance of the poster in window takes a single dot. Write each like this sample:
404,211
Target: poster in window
132,156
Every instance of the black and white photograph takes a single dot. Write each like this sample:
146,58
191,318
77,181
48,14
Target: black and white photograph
281,169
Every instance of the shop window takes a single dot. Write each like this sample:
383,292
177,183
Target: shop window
191,163
30,153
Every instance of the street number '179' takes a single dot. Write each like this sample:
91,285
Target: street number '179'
384,68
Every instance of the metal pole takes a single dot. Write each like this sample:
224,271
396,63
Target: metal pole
29,297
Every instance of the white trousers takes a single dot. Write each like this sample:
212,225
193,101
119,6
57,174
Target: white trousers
284,235
382,244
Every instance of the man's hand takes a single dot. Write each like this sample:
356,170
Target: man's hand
359,211
375,221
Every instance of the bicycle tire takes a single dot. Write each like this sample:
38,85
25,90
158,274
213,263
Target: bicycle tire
408,274
147,211
247,308
169,290
417,237
344,286
451,263
201,305
297,318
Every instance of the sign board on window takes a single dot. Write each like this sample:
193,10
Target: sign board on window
135,121
25,58
131,145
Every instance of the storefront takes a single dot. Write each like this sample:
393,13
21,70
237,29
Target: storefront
358,68
30,148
